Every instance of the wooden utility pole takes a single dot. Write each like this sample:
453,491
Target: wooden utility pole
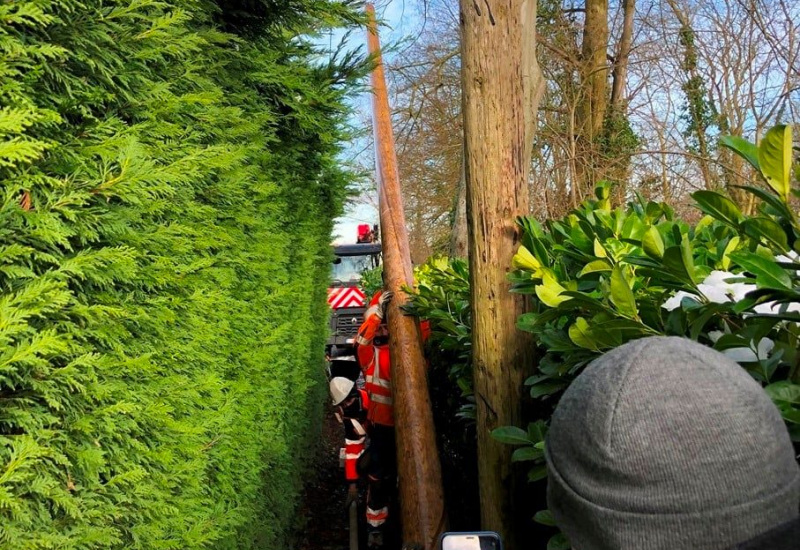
501,85
421,495
458,238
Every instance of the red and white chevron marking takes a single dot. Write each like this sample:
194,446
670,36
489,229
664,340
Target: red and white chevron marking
348,296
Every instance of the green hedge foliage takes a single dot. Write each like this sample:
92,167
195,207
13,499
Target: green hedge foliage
442,297
602,276
372,281
169,182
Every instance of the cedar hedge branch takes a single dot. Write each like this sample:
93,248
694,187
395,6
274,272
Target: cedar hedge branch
168,190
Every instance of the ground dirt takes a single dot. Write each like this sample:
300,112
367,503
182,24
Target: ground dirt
324,524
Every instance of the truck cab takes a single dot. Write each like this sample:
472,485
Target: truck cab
345,297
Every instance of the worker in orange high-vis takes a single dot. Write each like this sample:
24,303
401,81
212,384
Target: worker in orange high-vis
352,405
379,462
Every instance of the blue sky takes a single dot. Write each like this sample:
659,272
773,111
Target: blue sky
400,20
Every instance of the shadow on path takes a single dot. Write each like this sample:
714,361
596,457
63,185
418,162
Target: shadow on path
322,517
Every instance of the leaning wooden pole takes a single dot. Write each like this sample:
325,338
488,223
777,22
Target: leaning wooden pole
421,495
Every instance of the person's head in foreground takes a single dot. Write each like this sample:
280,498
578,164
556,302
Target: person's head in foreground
666,444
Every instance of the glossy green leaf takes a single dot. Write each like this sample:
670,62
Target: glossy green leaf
549,292
599,251
775,159
632,228
622,295
768,273
546,388
511,435
729,249
669,212
699,323
537,430
743,148
523,259
525,454
540,251
558,542
688,258
579,239
704,222
784,391
602,190
537,473
768,230
679,262
653,211
677,235
719,206
775,202
581,335
653,243
545,517
595,267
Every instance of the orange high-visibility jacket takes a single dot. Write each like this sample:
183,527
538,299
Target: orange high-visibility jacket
376,364
377,367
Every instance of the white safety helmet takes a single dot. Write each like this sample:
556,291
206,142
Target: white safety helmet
341,388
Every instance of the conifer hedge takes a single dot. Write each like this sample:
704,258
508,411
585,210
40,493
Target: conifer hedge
168,183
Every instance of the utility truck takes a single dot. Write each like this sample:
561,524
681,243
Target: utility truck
345,296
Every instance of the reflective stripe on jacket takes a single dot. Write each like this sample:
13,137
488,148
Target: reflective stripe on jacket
378,517
379,386
355,437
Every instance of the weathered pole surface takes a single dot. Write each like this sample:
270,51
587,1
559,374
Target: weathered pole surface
501,86
421,495
458,238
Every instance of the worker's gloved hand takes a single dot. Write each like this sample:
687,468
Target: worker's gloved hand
383,301
352,495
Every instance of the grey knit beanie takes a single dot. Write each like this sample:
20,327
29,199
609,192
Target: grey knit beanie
666,444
